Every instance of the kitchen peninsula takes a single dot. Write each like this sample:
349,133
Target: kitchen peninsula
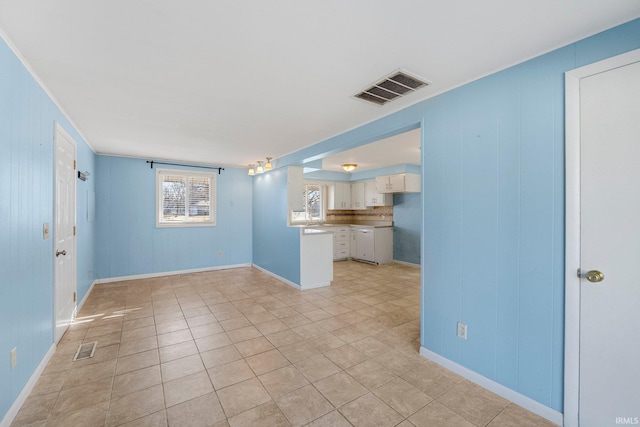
316,257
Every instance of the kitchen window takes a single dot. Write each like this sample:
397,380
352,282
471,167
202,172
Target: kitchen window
313,203
185,199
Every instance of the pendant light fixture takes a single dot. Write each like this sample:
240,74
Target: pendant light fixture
252,171
267,166
349,167
259,169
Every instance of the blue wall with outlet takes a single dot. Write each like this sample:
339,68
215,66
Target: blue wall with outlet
27,120
493,214
130,244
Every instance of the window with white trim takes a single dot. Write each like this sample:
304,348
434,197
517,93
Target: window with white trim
185,198
312,203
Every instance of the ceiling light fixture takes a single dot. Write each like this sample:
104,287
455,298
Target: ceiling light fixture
349,167
259,169
252,171
268,166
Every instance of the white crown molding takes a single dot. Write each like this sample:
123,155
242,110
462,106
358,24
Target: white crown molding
38,80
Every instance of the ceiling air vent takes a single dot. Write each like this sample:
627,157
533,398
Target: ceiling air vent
394,86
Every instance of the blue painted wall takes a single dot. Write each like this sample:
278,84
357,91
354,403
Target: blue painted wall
128,241
493,248
276,247
85,219
493,221
407,230
27,117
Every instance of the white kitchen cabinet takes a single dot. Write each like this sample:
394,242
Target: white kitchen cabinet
341,242
399,183
374,244
339,196
373,198
353,247
358,195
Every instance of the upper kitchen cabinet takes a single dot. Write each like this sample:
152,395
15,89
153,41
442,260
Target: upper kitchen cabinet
373,198
400,183
358,195
339,196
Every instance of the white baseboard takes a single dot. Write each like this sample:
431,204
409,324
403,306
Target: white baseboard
316,285
517,398
282,279
408,264
170,273
84,298
27,389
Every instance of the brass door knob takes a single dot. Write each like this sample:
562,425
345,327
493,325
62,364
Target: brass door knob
594,276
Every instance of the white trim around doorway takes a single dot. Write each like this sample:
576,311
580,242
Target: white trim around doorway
572,227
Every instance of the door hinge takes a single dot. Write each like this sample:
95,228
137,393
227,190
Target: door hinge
74,165
74,230
579,273
74,297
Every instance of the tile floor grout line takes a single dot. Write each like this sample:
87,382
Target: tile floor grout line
383,307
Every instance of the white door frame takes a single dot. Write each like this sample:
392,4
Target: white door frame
59,130
572,227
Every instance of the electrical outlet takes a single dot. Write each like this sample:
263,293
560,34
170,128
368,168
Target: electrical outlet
14,357
219,253
462,330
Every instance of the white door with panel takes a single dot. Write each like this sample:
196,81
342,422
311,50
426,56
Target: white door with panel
609,247
64,232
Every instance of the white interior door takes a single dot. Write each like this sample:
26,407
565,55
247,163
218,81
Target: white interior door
64,232
610,243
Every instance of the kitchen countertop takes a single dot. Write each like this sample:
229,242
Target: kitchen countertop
314,230
323,228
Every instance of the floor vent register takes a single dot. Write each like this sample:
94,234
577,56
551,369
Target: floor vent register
85,351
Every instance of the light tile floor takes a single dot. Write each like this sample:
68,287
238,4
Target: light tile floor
239,348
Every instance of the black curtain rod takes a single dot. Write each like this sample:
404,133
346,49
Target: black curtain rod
152,162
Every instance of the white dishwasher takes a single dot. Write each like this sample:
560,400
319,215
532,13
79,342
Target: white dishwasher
365,244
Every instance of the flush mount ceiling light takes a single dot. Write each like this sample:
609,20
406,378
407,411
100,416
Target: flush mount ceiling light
252,171
394,86
268,166
349,167
260,169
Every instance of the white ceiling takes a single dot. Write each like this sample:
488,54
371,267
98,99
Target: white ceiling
230,83
402,149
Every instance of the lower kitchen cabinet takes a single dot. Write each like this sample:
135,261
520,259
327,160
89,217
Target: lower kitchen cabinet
341,243
352,245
